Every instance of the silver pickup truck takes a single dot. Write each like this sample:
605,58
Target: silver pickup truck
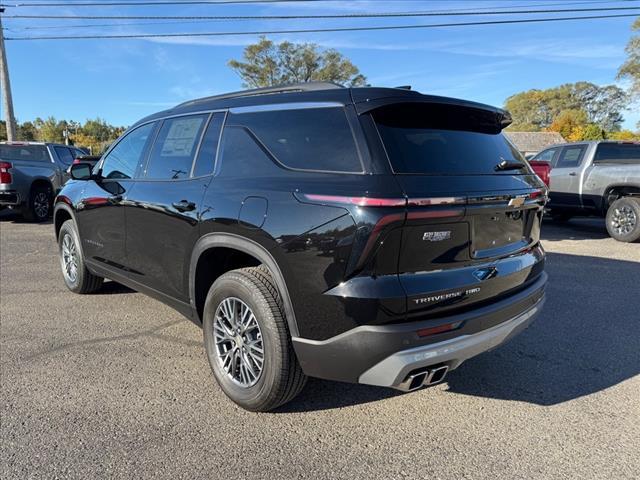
596,178
31,174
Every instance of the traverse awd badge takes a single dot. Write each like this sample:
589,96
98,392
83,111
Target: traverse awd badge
436,236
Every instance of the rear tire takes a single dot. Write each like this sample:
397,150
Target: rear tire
38,206
76,276
623,219
252,360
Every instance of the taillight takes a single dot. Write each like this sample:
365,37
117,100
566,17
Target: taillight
5,176
358,201
544,174
76,161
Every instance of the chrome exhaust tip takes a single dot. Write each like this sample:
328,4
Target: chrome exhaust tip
436,375
413,381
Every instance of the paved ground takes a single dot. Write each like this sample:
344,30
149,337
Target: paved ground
117,385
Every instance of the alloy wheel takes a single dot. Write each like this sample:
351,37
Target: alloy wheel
239,346
69,258
623,220
41,205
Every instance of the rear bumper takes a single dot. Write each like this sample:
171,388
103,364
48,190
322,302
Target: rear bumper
386,355
10,198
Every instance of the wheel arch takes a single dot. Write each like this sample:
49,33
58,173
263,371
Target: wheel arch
616,191
230,241
61,213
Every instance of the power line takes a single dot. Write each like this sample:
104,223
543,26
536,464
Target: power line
321,30
155,3
317,16
240,2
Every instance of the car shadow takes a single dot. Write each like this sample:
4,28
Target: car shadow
113,288
575,229
11,216
584,341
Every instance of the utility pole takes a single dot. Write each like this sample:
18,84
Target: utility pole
5,86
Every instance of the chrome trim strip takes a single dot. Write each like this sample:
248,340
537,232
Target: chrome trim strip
284,106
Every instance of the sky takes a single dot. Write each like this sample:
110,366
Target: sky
122,81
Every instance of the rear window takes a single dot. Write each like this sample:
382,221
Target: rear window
32,153
305,139
437,140
618,153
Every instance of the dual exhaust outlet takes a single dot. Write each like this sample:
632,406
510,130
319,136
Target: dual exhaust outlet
423,377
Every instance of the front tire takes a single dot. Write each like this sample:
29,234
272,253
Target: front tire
76,276
623,219
247,341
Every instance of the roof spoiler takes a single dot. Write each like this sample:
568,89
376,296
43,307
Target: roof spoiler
498,118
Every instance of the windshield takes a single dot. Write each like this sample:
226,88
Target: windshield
424,139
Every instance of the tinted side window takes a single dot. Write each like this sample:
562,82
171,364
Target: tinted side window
175,147
64,154
207,154
571,156
122,161
546,156
241,155
618,153
305,139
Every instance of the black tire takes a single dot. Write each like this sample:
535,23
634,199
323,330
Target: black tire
623,219
38,207
281,377
83,281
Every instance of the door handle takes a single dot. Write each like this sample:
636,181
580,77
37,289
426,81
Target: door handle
572,174
184,206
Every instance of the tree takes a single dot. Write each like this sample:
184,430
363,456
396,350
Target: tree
27,132
630,69
568,122
538,108
50,130
266,64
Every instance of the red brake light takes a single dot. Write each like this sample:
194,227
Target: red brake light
76,161
5,176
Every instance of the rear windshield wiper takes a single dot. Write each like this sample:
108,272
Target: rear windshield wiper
506,165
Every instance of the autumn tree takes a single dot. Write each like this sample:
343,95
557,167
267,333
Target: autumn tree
266,64
630,69
535,110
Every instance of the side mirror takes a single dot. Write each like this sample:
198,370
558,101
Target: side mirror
81,171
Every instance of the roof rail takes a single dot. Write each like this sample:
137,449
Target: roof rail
285,88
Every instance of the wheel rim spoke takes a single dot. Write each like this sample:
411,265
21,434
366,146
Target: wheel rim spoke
238,342
69,257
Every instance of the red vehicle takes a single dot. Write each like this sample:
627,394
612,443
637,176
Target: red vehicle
542,169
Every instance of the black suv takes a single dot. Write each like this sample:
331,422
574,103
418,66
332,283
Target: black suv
371,235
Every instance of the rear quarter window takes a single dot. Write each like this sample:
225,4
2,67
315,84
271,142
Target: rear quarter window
628,153
315,139
30,153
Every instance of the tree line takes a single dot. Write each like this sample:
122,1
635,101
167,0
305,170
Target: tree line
578,111
95,135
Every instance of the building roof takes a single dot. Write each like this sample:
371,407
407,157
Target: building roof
533,142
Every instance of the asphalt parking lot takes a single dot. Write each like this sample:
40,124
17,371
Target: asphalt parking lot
117,385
